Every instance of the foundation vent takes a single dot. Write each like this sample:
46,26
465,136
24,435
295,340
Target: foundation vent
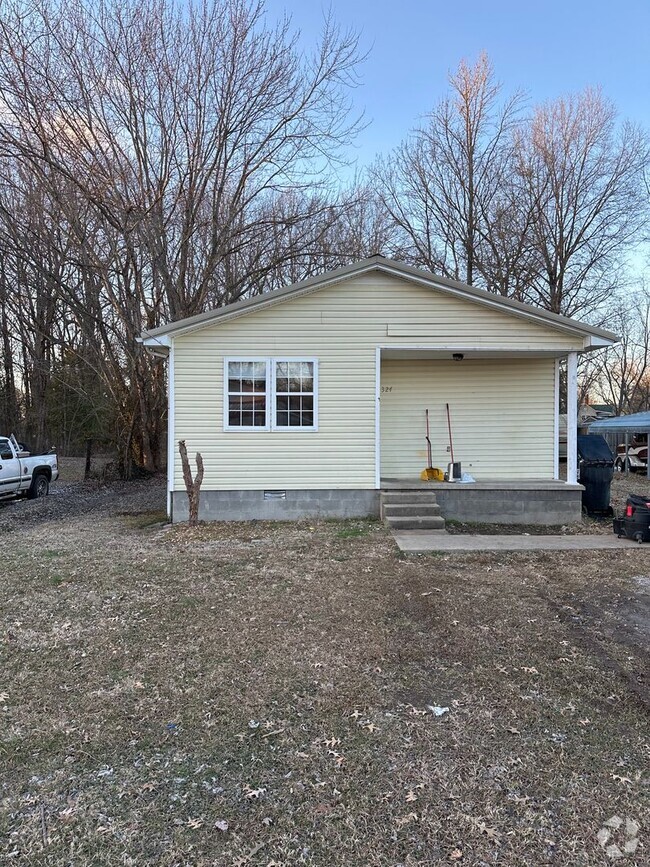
275,495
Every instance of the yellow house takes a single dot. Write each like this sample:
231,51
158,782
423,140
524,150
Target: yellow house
307,401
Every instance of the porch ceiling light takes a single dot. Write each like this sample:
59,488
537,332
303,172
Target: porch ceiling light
458,356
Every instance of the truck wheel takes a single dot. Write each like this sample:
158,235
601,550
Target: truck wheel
40,487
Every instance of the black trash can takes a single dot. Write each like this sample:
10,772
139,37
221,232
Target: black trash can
596,473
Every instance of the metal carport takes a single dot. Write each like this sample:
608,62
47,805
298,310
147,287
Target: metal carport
638,422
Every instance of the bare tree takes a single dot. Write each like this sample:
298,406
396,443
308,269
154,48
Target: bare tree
620,375
583,175
167,143
446,186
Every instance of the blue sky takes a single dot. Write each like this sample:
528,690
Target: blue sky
543,48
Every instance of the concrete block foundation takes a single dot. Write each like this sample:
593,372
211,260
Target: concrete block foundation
549,508
293,506
552,503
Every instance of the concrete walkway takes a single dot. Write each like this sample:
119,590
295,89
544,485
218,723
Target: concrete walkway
420,541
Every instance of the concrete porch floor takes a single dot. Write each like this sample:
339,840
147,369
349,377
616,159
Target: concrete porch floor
408,484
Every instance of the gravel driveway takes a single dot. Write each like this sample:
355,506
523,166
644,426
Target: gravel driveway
73,499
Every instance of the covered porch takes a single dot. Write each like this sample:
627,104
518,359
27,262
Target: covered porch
504,418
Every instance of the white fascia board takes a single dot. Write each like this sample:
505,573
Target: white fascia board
594,342
158,346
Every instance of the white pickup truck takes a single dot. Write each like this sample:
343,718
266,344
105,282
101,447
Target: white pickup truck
23,474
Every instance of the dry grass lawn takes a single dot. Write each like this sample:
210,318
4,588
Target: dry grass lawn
262,695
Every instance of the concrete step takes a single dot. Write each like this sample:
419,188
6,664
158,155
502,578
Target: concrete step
402,510
436,522
408,497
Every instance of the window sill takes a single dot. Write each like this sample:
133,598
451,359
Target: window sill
270,429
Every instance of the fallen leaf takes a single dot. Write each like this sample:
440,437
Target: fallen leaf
490,833
455,854
406,820
411,796
67,815
221,825
417,712
195,823
246,859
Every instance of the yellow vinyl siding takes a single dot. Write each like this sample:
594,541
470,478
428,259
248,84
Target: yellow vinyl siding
341,325
501,416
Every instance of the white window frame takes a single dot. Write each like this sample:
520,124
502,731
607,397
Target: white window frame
271,402
274,405
226,394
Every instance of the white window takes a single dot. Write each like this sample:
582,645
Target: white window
294,394
246,394
271,394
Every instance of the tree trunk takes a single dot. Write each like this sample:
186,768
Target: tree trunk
192,486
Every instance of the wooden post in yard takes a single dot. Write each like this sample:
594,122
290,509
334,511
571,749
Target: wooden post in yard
192,486
89,450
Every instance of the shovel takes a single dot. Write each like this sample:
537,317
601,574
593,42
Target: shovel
430,474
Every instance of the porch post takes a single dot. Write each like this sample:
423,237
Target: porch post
572,418
556,423
171,445
378,417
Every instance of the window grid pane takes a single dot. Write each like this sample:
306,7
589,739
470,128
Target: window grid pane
247,392
294,394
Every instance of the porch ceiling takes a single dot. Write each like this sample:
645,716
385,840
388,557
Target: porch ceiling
468,353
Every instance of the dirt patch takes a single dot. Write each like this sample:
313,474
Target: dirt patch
615,626
257,694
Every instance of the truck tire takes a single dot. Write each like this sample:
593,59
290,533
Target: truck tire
40,487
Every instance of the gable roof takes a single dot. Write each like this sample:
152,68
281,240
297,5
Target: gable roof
599,336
